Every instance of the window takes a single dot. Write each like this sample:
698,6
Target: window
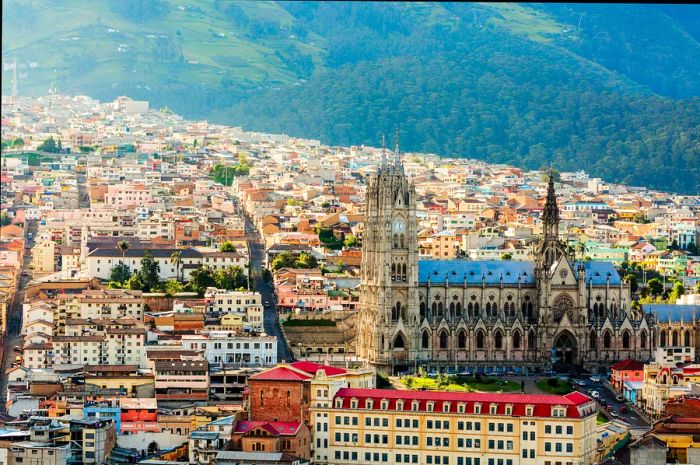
548,447
559,429
569,430
547,429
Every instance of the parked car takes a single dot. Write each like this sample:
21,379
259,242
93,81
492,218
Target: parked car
619,398
604,403
615,414
623,409
465,373
595,394
608,408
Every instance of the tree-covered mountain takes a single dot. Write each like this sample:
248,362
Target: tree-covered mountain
612,89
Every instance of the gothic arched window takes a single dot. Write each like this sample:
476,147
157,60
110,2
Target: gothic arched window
434,306
476,309
458,310
422,310
443,339
440,309
516,339
662,339
462,339
625,339
686,338
529,311
425,340
643,339
498,340
403,272
396,241
593,342
675,339
531,340
480,339
607,339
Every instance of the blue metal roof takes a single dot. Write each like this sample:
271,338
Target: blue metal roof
599,272
456,270
491,270
673,313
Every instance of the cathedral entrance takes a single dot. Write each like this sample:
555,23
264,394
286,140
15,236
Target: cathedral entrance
564,351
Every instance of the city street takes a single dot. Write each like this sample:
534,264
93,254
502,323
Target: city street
270,320
14,320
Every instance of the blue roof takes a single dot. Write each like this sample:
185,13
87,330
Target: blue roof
204,435
673,313
599,272
456,270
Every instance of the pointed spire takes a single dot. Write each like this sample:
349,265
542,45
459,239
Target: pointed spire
551,210
383,165
397,159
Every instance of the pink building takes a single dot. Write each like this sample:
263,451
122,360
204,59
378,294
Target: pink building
626,370
127,195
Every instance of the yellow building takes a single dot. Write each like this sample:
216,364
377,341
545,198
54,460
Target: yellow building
378,426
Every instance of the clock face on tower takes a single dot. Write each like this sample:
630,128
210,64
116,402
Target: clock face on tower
399,226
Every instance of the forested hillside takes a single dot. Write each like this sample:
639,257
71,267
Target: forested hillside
610,88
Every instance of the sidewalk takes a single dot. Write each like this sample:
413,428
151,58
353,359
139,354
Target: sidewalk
630,405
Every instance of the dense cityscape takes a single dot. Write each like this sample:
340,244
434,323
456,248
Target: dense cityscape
181,292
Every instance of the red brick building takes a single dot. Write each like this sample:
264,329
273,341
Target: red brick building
279,395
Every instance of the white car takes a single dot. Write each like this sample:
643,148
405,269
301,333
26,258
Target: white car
595,394
595,379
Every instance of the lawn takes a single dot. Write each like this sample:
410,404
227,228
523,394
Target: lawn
601,418
461,384
548,385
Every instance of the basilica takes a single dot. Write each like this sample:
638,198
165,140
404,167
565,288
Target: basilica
554,311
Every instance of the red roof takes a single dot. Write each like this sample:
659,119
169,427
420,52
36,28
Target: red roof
542,403
312,368
628,365
274,428
281,374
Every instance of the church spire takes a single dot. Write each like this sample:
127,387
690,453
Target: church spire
383,165
398,167
551,210
550,216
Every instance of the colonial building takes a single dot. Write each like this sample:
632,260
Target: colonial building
486,313
382,426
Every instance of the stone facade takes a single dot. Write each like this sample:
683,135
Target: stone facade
486,313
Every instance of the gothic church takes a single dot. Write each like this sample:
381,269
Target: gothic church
489,314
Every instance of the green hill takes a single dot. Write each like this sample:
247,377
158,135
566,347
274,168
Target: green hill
612,89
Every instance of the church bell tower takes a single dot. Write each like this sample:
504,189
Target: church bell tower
388,314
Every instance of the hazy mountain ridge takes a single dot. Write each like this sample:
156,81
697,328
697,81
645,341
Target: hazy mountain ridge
590,86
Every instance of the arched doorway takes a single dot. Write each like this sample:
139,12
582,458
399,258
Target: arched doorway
565,348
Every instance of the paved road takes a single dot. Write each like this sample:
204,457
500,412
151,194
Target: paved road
270,318
14,322
636,421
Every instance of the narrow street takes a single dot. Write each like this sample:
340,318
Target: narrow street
270,320
14,320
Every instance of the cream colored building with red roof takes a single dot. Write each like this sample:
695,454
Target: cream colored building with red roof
382,426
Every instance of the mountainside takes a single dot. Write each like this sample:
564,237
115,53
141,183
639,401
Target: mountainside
612,89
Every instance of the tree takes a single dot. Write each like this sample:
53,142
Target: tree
227,246
692,248
201,279
283,260
150,271
123,246
4,219
674,245
173,286
50,145
120,273
231,277
86,149
655,286
506,256
678,290
632,279
176,259
135,283
351,241
306,260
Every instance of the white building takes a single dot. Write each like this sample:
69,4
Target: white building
222,347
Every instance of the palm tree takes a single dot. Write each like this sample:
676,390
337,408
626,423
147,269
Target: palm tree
123,246
581,249
176,259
